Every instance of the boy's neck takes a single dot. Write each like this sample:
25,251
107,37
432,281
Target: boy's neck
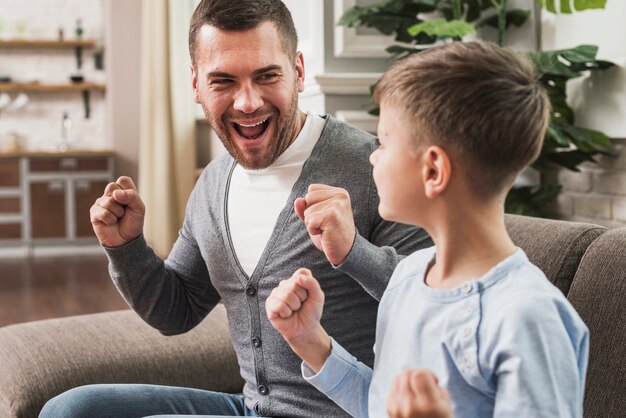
469,243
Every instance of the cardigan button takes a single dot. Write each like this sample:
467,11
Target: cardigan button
263,390
251,291
256,341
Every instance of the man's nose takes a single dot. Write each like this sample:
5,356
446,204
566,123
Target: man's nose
248,99
374,157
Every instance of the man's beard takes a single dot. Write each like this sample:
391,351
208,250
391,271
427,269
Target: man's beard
285,128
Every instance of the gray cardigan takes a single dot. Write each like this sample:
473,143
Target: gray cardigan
175,295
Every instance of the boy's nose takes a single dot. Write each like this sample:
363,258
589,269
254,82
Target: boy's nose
247,100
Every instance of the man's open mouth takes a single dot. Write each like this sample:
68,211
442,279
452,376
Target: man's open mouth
251,130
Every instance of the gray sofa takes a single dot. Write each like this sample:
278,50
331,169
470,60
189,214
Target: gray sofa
39,360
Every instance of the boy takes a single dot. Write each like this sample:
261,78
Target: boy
458,123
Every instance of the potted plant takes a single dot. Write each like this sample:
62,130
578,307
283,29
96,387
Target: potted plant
565,144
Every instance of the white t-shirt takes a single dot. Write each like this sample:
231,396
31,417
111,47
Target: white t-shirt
256,197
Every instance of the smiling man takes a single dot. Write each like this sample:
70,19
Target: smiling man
294,189
249,94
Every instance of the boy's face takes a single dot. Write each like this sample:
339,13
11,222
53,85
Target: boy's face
396,167
248,88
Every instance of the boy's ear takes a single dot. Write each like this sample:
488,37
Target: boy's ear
436,171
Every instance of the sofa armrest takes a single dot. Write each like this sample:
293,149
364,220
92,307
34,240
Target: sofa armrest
39,360
598,293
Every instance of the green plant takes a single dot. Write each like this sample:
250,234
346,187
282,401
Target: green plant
565,144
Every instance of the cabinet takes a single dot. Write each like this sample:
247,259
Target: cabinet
83,87
10,202
45,197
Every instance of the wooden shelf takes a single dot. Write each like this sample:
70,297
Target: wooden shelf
77,45
46,43
84,88
72,153
50,88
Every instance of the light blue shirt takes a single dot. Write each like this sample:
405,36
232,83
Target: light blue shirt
508,344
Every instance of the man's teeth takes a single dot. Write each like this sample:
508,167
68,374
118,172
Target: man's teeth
253,125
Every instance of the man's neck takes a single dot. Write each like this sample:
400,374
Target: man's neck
298,125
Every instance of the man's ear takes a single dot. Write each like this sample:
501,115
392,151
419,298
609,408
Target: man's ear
194,84
436,171
300,71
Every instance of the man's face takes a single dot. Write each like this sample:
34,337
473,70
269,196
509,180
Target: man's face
248,88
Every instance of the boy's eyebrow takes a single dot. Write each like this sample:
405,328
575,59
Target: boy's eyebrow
222,74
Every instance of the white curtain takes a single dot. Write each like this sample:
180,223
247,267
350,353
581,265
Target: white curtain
167,120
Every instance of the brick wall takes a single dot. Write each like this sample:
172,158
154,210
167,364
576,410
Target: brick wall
598,193
40,121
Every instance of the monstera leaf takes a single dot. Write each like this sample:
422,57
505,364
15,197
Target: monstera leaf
394,16
531,201
566,144
443,28
565,6
569,62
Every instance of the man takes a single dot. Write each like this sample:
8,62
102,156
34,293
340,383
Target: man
247,226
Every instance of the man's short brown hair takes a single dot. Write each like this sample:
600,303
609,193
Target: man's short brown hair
241,15
481,103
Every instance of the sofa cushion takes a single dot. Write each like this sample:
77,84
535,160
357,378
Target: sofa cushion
556,247
42,359
598,293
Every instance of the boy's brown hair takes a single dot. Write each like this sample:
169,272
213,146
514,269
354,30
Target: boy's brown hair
241,15
481,103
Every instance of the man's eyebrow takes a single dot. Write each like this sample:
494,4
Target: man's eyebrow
221,74
268,68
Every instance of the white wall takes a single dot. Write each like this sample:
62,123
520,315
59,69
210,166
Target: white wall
123,42
308,17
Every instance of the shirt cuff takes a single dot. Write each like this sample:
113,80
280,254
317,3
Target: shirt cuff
337,366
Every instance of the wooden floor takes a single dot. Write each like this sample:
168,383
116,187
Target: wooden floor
49,287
